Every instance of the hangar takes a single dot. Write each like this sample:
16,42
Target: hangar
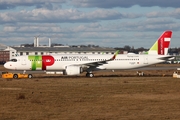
8,52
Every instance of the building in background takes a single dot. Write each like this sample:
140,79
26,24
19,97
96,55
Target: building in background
4,54
61,50
8,52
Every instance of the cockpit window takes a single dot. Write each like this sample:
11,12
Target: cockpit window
13,60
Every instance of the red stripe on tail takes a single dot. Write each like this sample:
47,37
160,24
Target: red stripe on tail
162,44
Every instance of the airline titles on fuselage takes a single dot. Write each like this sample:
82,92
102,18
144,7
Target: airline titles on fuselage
74,57
132,55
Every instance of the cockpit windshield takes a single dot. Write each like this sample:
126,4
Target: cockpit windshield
13,60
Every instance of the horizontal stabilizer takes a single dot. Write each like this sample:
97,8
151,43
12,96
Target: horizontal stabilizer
167,58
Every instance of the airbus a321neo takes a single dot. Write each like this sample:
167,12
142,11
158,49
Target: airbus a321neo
72,64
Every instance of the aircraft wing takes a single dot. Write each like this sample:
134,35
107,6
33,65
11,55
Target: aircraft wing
95,64
98,63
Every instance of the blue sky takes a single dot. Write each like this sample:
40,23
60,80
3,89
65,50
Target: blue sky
108,23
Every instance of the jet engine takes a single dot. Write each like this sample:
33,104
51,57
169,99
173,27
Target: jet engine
73,70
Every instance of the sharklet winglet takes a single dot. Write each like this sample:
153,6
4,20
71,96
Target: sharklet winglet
114,56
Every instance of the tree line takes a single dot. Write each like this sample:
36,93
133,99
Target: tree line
171,51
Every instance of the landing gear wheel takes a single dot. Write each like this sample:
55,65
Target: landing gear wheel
89,75
15,76
30,76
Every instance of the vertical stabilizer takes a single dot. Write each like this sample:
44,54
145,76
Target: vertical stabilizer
161,46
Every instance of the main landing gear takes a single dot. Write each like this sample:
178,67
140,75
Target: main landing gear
89,74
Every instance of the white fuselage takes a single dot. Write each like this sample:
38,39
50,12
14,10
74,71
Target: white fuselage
60,62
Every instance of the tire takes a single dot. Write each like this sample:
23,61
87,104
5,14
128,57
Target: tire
30,76
90,75
15,76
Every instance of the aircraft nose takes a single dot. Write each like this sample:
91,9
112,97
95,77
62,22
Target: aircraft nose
7,65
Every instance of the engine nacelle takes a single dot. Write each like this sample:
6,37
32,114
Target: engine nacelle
73,70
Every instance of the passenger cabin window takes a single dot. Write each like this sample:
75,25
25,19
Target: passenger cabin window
13,60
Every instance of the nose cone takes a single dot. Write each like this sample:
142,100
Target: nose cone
7,65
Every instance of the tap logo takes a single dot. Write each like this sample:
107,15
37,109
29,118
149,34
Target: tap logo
41,62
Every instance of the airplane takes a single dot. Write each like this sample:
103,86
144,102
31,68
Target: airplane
72,64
